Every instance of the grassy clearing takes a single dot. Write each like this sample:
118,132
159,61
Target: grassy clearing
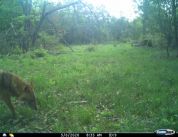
120,88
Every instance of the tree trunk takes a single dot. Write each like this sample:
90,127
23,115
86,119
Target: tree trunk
44,15
145,16
174,23
25,39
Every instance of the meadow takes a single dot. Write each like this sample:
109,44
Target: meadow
102,88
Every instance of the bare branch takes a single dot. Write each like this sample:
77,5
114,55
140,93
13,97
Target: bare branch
95,16
12,26
61,7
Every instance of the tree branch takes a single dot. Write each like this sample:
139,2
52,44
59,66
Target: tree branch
44,15
60,7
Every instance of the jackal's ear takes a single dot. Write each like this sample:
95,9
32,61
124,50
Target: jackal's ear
28,89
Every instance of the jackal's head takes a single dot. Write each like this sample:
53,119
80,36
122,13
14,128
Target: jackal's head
29,97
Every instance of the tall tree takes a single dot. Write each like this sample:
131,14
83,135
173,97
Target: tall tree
174,21
160,17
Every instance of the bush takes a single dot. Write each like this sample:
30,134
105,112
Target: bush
46,41
17,50
155,40
147,43
159,41
39,53
115,43
90,48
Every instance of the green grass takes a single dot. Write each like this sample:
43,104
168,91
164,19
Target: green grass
122,88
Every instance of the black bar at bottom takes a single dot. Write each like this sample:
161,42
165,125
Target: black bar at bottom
81,134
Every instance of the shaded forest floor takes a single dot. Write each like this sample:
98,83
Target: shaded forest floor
103,89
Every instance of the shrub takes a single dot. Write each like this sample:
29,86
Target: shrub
17,50
90,48
39,53
159,40
46,41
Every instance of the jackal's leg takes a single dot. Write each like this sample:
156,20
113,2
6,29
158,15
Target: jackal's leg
9,104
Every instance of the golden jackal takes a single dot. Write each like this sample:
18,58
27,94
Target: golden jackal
13,86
